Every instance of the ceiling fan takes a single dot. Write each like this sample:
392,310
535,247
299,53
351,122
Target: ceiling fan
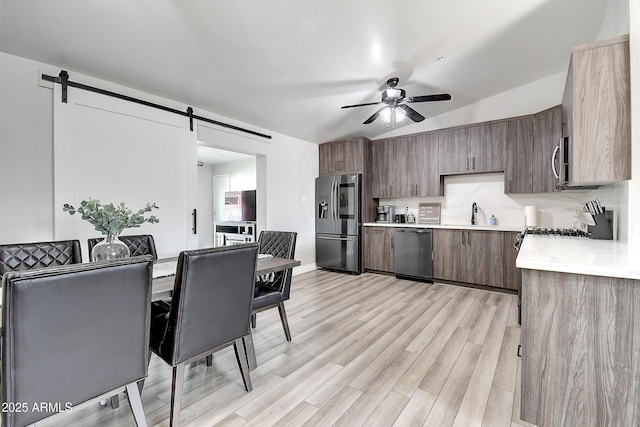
395,106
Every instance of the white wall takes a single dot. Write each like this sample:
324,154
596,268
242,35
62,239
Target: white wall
288,169
242,174
26,152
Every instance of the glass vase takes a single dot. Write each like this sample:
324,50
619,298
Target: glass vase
110,248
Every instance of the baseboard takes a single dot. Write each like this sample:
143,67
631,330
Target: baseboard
304,268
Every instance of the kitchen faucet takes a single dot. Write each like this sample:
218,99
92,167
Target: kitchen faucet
474,211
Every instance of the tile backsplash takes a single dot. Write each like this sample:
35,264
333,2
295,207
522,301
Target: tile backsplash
555,210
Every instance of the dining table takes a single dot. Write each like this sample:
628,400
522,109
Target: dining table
162,286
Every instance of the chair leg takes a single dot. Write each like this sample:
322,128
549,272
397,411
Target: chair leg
241,357
251,352
141,382
283,319
176,395
253,320
209,360
135,401
115,401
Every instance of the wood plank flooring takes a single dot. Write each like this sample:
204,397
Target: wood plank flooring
368,350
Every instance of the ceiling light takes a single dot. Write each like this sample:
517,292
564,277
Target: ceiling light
391,115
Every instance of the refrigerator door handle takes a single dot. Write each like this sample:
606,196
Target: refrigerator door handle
335,200
346,239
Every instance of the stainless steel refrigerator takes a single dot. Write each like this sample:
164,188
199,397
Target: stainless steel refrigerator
339,223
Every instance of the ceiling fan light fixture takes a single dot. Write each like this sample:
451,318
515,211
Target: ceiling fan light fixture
392,115
385,115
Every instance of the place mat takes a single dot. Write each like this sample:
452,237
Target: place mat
164,268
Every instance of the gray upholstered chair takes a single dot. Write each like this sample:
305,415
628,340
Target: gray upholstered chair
138,245
26,256
210,309
274,291
54,345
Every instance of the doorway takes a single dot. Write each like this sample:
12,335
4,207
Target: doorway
220,171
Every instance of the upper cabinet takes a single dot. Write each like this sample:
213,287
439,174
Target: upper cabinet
596,113
531,146
472,149
547,134
342,157
519,155
406,167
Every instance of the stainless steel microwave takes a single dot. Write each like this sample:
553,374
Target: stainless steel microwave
560,163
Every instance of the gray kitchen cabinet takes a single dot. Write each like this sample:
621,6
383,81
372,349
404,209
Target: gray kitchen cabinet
596,111
453,153
379,249
449,255
382,153
518,174
472,149
421,160
547,135
406,167
580,340
512,274
469,256
342,157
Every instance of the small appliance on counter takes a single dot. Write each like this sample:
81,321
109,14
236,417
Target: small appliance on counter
386,213
400,218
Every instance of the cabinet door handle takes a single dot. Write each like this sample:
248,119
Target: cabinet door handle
467,163
468,237
473,163
519,350
463,238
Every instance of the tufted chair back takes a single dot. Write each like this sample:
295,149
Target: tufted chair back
279,244
26,256
138,245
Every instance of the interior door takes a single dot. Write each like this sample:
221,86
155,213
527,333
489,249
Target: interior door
117,151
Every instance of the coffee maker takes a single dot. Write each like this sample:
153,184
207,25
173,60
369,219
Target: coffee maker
386,214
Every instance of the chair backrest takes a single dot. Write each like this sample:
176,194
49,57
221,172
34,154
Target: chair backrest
138,245
26,256
211,302
279,244
73,333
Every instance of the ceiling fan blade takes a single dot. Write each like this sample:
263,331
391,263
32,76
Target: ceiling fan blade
373,117
411,113
426,98
361,105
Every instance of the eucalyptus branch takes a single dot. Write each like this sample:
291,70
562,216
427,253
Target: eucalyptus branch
110,218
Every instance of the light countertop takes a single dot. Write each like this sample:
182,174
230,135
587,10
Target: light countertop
446,226
580,255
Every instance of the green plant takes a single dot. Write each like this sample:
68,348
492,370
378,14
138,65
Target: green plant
110,219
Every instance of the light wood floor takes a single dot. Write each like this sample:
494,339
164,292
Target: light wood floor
367,350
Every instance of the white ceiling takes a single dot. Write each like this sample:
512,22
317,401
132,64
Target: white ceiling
216,156
289,65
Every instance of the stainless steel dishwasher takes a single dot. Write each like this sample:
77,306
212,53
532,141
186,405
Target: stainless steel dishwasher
414,253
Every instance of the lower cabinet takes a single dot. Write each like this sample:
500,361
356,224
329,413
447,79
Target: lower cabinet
512,275
378,248
470,256
580,358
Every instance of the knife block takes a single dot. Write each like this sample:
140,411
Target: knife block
603,228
